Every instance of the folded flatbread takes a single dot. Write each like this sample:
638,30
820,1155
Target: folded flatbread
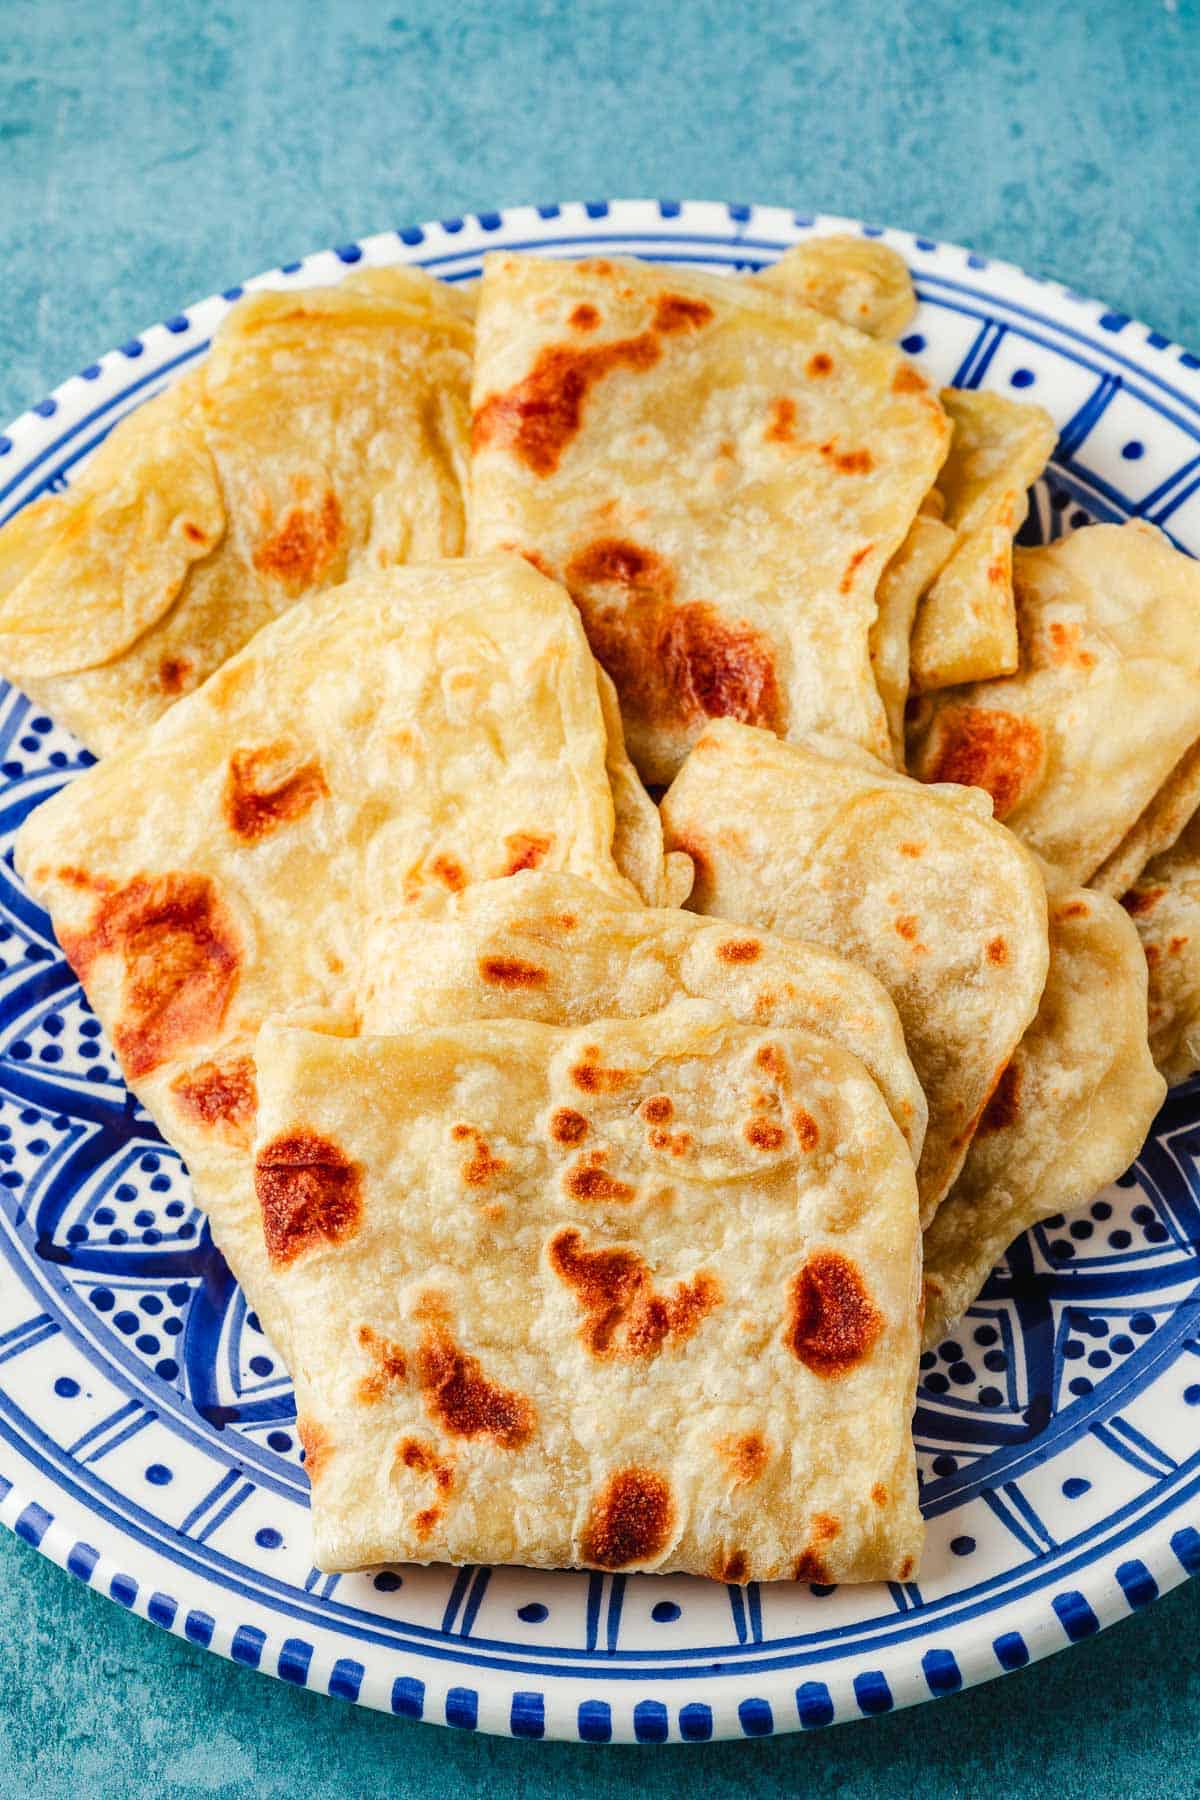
857,280
324,435
534,1328
910,572
966,628
718,474
559,950
923,888
1071,1110
1164,904
386,743
1106,704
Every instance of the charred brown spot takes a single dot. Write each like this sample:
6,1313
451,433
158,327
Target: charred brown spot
317,1446
1141,900
194,532
733,1566
512,972
739,950
820,364
303,545
449,872
997,572
852,568
181,962
811,1567
676,312
390,1370
463,1401
538,417
781,421
173,672
825,1528
773,1062
223,1097
806,1129
1004,1104
1176,944
764,1134
526,850
590,1180
913,850
590,1078
630,1519
906,1568
746,1455
879,1494
848,462
481,1167
1065,645
907,926
1075,909
623,1315
255,805
568,1126
908,380
584,317
659,1109
310,1193
617,562
716,669
986,748
997,951
833,1323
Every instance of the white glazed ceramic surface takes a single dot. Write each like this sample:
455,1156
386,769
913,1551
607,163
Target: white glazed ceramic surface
147,1428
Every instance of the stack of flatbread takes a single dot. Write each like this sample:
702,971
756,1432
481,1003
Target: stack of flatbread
600,1162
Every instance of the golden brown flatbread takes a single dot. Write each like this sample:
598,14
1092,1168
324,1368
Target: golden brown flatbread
922,887
718,474
1104,708
857,280
325,435
540,1327
388,742
1070,1112
1164,904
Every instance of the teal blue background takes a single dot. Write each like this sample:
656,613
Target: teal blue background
151,154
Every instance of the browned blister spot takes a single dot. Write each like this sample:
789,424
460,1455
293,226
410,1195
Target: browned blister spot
181,961
512,972
390,1370
584,317
906,1568
1139,900
658,1109
715,668
847,462
739,950
623,1315
773,1062
1073,909
481,1167
746,1454
763,1134
908,380
590,1078
907,926
255,805
997,951
825,1528
732,1566
461,1398
781,421
303,544
173,672
1003,1103
1065,645
538,417
811,1567
310,1193
590,1180
449,872
677,312
630,1520
317,1446
852,568
879,1494
221,1096
526,850
806,1129
832,1323
617,562
913,850
820,364
568,1126
986,748
194,532
1176,944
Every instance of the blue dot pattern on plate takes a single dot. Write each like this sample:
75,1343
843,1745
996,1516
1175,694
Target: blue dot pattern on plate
1076,1346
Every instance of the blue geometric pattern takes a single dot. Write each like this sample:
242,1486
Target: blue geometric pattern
147,1427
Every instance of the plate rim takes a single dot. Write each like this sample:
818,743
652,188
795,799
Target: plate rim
30,441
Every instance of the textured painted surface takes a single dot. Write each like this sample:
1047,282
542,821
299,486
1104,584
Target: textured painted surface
149,155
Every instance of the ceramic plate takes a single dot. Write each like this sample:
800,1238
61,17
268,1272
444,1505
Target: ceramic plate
147,1428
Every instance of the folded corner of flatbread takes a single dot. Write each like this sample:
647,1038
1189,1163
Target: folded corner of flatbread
940,903
857,280
717,474
966,624
325,434
1089,740
541,1327
1070,1112
386,743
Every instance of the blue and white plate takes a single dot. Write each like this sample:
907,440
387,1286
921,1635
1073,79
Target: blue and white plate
147,1428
